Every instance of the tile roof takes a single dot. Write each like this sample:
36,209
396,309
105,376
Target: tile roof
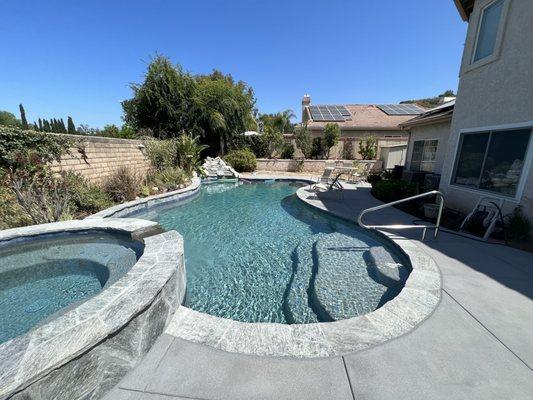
363,117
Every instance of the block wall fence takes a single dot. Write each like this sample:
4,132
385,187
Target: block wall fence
103,156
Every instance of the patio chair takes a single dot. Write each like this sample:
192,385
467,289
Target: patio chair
333,185
325,179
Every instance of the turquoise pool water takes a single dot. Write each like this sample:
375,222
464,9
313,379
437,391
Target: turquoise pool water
42,276
255,253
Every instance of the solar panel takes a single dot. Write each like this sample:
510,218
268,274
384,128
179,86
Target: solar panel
401,109
329,113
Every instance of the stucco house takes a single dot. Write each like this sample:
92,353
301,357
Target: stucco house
428,142
359,121
490,148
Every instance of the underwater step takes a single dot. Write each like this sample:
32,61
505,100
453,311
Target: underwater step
296,303
342,286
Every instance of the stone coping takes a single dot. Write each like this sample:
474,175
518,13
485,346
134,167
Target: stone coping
30,357
416,301
122,210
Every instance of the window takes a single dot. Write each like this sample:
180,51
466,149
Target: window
488,30
424,155
492,161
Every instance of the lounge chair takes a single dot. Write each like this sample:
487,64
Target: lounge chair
332,185
325,179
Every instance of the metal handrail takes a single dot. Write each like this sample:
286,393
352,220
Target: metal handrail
435,226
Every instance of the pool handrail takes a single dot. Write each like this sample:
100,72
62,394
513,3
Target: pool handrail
435,226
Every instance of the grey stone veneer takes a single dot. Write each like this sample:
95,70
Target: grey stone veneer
85,352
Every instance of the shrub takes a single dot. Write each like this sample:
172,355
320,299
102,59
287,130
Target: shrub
11,214
317,149
123,185
374,177
188,150
368,148
303,141
85,198
242,160
518,226
332,134
161,153
347,150
388,191
169,178
288,151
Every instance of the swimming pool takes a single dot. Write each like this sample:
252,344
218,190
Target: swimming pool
255,253
42,276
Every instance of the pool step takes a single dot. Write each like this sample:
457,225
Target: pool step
296,305
342,287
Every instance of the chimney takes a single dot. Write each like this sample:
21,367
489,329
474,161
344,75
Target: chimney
306,100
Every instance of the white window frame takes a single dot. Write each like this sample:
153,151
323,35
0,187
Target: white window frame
470,64
436,152
528,157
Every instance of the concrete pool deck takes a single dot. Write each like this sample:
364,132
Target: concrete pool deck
478,344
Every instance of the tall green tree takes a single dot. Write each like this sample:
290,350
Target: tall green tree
46,126
23,117
171,101
303,140
332,133
280,121
40,121
71,128
223,110
164,102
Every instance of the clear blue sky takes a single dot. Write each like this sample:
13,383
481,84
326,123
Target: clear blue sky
63,57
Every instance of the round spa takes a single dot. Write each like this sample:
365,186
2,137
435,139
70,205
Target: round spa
81,301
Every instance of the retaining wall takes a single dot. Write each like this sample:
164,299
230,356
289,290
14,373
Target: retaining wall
103,157
313,166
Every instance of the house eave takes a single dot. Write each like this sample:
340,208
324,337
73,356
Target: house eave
427,121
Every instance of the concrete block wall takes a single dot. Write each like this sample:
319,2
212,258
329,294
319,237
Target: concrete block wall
104,156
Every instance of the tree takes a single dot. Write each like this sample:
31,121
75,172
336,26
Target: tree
303,140
62,126
23,117
347,150
280,121
317,148
71,128
223,110
170,101
164,102
110,130
332,134
8,119
41,127
46,126
368,148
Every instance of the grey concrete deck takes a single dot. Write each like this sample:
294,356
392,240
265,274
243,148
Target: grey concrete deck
478,344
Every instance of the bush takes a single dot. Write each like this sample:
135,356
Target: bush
161,153
85,198
123,185
317,149
388,191
288,151
374,177
11,214
242,160
169,178
303,140
347,150
518,226
332,134
368,148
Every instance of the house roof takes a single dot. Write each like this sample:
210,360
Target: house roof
441,113
465,8
362,117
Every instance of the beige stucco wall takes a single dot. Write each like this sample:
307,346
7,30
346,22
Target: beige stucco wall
496,92
310,166
440,132
104,156
385,138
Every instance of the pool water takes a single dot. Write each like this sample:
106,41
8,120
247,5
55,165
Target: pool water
42,276
255,253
